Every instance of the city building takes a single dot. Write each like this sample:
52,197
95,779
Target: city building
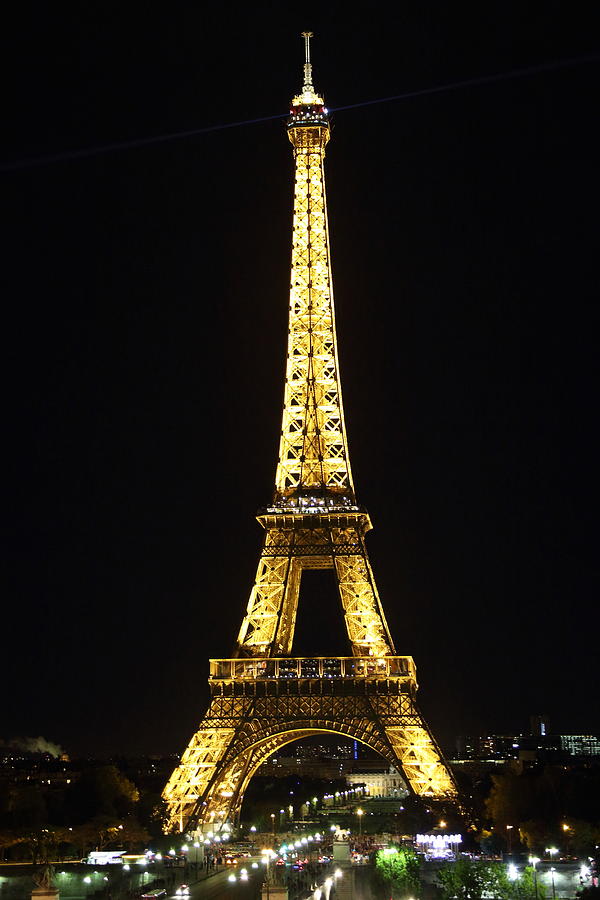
386,783
539,745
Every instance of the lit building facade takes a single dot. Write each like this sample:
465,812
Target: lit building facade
379,784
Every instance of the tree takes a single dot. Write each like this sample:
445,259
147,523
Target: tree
399,867
7,839
589,893
537,834
528,887
583,837
103,791
462,879
470,879
152,813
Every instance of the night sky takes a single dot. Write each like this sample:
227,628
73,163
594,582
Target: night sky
145,315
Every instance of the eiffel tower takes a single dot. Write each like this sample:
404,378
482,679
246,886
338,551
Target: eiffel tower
263,698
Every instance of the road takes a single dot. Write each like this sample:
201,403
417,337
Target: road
219,886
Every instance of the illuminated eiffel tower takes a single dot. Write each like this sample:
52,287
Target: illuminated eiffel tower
263,697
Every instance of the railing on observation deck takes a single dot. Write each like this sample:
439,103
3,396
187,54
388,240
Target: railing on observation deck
328,667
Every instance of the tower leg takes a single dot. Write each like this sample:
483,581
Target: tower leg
239,733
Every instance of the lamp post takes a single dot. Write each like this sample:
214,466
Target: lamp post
509,829
359,813
552,871
273,824
534,860
584,874
268,854
232,880
514,876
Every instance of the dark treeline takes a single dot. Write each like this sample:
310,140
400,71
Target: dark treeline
58,817
529,809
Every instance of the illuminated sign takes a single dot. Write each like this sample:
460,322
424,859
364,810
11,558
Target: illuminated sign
438,841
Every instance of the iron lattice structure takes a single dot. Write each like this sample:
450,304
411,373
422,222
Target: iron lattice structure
263,698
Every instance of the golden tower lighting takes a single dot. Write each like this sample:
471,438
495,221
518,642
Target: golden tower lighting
263,698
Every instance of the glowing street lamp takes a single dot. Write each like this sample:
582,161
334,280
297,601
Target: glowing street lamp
552,871
360,813
534,860
551,851
584,874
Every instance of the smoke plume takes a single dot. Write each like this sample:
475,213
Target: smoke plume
33,745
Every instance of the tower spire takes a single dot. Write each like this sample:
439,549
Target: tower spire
308,85
308,96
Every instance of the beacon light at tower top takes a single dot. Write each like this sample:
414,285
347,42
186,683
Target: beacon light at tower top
308,97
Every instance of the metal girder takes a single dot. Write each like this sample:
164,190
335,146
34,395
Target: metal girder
268,627
263,698
239,733
313,451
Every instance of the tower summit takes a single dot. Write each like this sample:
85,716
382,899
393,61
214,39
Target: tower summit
263,698
313,451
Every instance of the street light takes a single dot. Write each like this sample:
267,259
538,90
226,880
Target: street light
552,871
534,860
584,874
509,829
360,813
551,851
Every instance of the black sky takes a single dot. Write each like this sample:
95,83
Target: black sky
145,314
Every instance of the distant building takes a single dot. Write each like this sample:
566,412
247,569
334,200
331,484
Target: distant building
282,766
580,745
539,745
490,746
388,783
539,725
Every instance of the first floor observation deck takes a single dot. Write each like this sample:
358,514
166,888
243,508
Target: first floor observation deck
262,676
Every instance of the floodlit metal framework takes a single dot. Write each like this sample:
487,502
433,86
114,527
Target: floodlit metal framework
263,698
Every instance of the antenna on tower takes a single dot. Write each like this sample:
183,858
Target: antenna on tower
308,85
